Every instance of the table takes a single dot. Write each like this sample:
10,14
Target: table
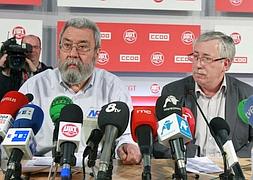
161,169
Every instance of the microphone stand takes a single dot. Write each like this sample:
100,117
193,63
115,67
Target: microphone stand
146,174
227,175
180,173
110,166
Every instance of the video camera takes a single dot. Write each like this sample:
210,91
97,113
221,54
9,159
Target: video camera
16,53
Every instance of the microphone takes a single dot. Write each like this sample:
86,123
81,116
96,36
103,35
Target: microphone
112,120
190,91
248,110
9,106
188,115
55,109
19,142
143,129
29,97
241,112
173,130
92,146
222,130
71,119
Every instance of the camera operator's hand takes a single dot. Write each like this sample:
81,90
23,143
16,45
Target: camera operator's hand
32,67
2,60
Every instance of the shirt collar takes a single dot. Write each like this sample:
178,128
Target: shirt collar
223,87
87,86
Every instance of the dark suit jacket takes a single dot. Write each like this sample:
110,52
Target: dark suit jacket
240,133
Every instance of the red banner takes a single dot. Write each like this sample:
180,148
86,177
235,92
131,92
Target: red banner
145,47
234,5
23,2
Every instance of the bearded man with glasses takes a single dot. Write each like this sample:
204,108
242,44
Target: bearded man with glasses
217,93
87,86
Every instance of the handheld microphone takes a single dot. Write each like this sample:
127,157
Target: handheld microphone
112,120
55,109
143,129
241,112
222,130
9,106
19,142
29,97
188,115
190,91
92,146
248,110
173,130
71,119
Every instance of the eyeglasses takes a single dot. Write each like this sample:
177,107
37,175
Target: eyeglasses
81,48
36,47
205,60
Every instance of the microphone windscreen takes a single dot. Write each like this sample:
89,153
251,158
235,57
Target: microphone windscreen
167,105
29,97
142,116
71,113
188,115
56,106
220,128
115,114
29,116
12,102
95,136
241,113
248,110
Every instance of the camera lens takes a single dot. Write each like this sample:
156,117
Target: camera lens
16,61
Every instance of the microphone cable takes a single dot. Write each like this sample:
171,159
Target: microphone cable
226,171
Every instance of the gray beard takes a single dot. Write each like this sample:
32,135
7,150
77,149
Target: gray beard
75,76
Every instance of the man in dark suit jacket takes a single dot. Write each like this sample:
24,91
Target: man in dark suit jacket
211,58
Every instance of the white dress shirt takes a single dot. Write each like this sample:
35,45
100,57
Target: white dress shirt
103,88
212,107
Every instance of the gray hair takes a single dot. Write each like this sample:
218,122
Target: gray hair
226,43
83,23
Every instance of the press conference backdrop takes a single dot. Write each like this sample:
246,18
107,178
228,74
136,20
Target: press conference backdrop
234,5
23,2
194,5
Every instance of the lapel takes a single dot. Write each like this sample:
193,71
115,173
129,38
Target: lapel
231,102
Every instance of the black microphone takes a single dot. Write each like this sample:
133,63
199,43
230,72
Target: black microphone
29,97
71,119
190,91
92,146
170,132
112,120
222,130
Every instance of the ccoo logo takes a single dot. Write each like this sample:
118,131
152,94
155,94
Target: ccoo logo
187,37
70,130
130,36
103,58
236,37
157,58
18,32
236,2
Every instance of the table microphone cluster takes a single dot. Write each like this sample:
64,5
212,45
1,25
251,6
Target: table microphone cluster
169,122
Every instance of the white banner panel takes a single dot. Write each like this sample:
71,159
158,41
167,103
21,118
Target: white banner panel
19,28
187,5
243,61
